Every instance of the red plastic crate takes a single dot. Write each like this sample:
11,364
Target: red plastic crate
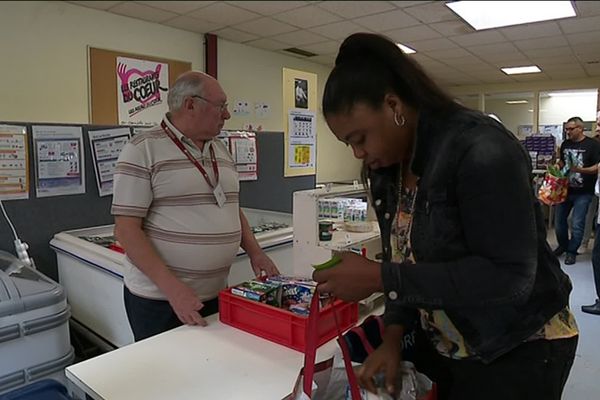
282,326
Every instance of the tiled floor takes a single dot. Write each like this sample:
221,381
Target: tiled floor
584,381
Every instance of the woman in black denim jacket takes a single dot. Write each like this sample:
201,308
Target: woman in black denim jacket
463,236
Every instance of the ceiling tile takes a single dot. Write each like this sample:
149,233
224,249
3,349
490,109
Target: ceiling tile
587,8
268,7
415,33
432,12
338,30
584,38
330,47
99,5
479,38
530,77
179,7
545,62
355,9
531,31
267,44
460,61
432,44
565,66
452,28
307,17
387,21
140,11
448,54
509,62
593,70
541,43
235,35
576,25
300,38
496,48
223,13
563,51
192,24
265,26
404,4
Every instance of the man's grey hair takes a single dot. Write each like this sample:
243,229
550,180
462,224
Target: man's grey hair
185,86
577,120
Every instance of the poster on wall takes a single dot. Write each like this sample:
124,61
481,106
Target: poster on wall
105,146
300,127
14,163
59,162
242,146
302,139
142,88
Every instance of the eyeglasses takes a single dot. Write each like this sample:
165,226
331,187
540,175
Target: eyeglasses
222,107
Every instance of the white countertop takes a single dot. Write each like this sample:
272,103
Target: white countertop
215,362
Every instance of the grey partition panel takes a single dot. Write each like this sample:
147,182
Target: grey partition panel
38,219
272,191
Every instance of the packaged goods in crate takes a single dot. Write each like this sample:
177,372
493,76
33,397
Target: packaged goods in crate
286,326
263,292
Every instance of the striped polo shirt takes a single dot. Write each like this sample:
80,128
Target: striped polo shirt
197,239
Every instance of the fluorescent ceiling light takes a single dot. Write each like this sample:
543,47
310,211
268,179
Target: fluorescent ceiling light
494,14
405,49
530,69
517,102
581,93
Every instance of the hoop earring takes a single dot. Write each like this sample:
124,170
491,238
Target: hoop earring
402,120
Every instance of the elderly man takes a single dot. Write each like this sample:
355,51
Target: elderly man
582,155
177,214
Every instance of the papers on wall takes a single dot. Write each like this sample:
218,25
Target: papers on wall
242,146
302,139
59,162
14,163
106,145
142,88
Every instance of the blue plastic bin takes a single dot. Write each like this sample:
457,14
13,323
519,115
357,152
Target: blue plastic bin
46,389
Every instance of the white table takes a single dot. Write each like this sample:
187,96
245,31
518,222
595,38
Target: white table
214,362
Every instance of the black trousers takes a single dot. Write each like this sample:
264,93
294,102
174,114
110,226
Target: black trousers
148,317
536,370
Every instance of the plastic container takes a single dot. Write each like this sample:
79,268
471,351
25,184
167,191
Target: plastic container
34,325
282,326
47,389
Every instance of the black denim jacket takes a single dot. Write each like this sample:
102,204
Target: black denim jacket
478,236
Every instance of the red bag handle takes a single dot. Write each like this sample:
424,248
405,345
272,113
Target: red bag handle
310,351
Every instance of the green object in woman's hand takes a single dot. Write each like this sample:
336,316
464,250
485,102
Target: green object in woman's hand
328,264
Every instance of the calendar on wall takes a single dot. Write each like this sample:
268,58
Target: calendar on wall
302,139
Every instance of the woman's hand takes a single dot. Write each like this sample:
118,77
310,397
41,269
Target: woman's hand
353,278
386,358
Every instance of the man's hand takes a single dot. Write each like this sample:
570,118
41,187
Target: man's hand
352,279
262,263
186,305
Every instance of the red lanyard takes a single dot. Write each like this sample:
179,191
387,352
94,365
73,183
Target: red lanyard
189,155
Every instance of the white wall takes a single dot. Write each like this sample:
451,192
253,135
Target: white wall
556,110
511,115
45,74
255,75
44,55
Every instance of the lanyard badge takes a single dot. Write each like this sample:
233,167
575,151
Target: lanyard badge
218,192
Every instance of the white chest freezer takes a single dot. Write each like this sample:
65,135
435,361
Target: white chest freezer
34,325
92,273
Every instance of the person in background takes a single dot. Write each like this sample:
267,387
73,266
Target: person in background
595,308
582,155
177,214
463,236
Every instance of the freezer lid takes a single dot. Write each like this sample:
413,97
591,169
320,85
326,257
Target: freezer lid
23,288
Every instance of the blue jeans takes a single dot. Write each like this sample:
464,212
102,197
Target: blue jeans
579,203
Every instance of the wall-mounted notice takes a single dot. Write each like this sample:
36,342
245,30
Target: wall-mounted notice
302,139
142,88
106,145
242,146
59,165
14,163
